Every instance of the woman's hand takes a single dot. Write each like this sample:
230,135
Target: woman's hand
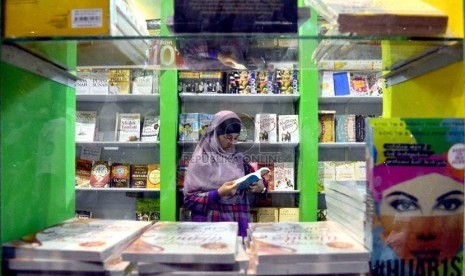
258,187
227,189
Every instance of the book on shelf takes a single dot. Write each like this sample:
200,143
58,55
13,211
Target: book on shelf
204,122
268,214
189,127
326,84
288,128
99,84
263,81
251,178
144,82
148,209
139,176
288,215
341,84
86,126
82,173
381,17
120,175
127,127
91,240
416,163
119,81
235,17
153,176
326,126
345,128
100,174
185,242
200,82
150,129
287,79
84,81
266,126
345,170
284,176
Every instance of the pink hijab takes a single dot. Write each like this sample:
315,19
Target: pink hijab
210,165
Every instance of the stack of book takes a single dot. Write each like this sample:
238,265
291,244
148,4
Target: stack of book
188,248
302,248
74,247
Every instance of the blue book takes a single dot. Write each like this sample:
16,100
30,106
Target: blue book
251,178
341,84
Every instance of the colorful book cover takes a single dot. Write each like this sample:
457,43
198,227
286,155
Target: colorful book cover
189,127
127,127
185,242
266,128
148,209
100,174
139,176
82,174
359,85
341,84
262,81
204,122
93,240
153,176
284,176
269,177
345,128
287,80
415,175
288,128
120,175
304,242
150,129
326,126
119,81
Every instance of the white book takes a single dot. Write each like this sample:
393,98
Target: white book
86,125
127,127
284,176
288,128
99,84
93,240
326,84
144,82
186,242
84,81
150,129
266,128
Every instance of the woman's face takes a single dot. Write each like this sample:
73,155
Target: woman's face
423,217
228,141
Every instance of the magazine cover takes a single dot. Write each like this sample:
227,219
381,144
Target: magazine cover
415,176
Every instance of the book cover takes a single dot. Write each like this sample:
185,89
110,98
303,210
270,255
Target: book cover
287,80
127,127
326,84
345,128
359,85
150,129
345,170
204,122
189,127
148,209
341,84
153,176
82,174
144,82
249,179
247,127
288,128
251,16
262,81
99,82
415,176
86,126
304,242
93,240
119,81
284,176
84,81
139,176
211,82
100,174
326,126
120,175
269,177
288,215
266,128
185,242
268,214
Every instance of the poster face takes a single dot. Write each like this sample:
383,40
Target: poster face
416,184
223,16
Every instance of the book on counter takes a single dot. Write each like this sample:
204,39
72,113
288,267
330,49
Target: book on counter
87,240
383,17
185,242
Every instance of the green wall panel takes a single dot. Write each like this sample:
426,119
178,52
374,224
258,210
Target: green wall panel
37,152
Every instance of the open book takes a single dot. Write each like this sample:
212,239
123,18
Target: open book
251,178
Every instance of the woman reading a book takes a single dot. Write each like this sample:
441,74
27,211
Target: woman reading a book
210,191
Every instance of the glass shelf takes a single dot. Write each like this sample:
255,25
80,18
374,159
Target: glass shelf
239,98
351,100
118,98
117,145
145,190
162,52
247,144
342,145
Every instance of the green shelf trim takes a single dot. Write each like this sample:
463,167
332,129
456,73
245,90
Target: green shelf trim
168,133
307,167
